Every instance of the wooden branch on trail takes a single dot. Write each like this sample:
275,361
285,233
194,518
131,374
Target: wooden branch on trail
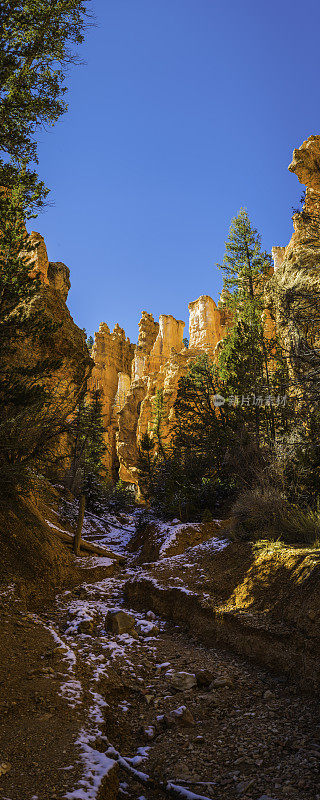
88,547
166,787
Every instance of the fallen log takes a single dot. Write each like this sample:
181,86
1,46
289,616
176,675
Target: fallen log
88,547
166,787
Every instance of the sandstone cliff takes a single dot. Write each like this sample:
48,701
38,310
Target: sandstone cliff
113,355
294,289
53,353
131,376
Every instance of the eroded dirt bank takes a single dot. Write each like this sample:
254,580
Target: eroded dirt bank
172,702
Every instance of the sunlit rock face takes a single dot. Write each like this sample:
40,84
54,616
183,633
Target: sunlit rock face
51,273
39,257
278,256
113,355
64,346
294,289
132,377
306,163
207,323
169,338
160,360
59,278
148,332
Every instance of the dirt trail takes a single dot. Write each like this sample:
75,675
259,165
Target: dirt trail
233,732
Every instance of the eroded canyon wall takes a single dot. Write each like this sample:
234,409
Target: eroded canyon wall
294,289
132,377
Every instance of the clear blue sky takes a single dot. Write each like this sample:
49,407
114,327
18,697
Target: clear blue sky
184,111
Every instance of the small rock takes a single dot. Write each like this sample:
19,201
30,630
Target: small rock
204,677
162,667
4,767
181,680
244,786
243,761
266,797
268,695
149,732
222,682
147,628
119,622
183,715
86,626
168,720
186,718
150,615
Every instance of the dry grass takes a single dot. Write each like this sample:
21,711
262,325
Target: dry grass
265,514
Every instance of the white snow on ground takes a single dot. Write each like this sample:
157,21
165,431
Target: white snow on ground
93,561
55,527
184,793
68,654
109,531
100,648
214,545
96,765
171,534
72,692
167,533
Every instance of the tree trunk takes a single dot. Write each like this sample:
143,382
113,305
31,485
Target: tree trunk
77,535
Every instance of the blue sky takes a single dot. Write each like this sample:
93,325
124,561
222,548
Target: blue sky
184,111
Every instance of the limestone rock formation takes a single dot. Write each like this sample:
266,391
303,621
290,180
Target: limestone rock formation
59,278
54,354
294,289
134,377
208,324
169,338
278,256
113,355
54,274
39,256
160,360
148,332
306,163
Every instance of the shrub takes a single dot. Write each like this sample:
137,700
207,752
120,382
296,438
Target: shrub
119,497
265,514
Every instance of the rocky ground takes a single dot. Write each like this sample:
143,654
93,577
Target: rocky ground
92,682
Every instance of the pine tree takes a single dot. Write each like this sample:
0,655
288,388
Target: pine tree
37,45
37,41
86,477
24,396
248,359
88,445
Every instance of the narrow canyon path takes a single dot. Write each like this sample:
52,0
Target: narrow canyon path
198,720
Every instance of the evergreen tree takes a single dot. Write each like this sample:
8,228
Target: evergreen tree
28,418
88,445
189,472
86,478
37,45
37,41
249,360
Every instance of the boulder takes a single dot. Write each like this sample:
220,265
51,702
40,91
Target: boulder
119,622
204,677
182,681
